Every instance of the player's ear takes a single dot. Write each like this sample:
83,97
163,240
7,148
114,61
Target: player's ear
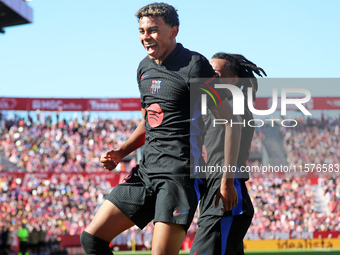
174,32
234,80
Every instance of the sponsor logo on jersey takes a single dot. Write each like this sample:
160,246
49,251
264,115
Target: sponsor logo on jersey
175,213
155,115
155,86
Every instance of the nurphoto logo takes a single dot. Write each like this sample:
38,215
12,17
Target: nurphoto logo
238,105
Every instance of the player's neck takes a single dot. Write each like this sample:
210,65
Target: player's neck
161,59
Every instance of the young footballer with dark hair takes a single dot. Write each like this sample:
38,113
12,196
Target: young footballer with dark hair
222,232
160,187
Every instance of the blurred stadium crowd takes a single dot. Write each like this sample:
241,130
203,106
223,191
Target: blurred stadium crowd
65,205
289,204
64,146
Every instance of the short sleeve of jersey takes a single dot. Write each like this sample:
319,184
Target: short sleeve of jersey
202,68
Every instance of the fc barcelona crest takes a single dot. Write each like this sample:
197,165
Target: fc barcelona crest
155,86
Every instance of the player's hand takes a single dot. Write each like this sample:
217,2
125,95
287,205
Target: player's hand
228,194
110,159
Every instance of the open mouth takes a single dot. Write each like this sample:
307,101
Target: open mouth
150,48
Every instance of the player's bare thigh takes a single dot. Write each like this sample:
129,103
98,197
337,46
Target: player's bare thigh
167,238
108,222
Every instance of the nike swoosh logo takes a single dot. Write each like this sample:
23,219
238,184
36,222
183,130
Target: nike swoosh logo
144,76
175,213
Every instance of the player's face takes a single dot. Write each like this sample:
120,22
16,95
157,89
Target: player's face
222,68
157,37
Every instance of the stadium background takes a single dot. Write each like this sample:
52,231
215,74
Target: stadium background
50,176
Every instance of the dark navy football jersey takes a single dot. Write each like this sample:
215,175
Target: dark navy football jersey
214,144
214,140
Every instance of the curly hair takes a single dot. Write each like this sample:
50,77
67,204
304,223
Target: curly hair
243,68
166,11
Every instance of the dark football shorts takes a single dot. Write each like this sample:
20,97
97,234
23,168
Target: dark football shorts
221,235
170,199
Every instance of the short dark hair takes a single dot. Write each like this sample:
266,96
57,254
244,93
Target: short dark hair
243,68
167,12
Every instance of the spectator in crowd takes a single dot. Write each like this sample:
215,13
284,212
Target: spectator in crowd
42,240
5,237
33,240
23,238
